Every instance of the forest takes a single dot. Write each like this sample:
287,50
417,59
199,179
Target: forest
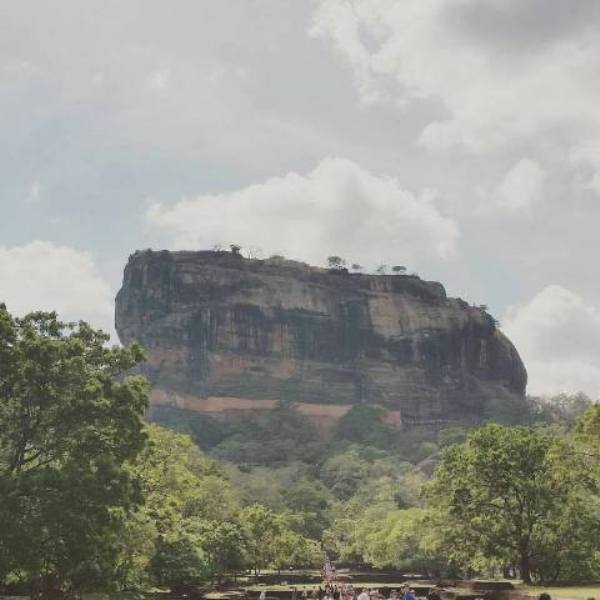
96,496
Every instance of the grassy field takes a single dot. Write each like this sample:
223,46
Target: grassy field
567,592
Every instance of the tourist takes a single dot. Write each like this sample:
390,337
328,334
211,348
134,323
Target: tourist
407,593
363,595
263,595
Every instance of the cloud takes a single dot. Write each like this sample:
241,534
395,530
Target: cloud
337,208
521,188
159,79
34,195
46,276
558,335
500,71
585,157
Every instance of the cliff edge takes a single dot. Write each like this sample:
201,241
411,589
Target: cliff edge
224,333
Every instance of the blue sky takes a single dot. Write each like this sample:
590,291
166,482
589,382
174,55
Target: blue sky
458,137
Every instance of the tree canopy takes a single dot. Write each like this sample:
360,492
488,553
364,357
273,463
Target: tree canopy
69,424
517,497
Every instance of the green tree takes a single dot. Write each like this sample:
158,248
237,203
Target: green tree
179,482
180,563
310,500
588,430
69,424
336,262
184,492
345,473
503,496
395,541
294,550
261,527
224,547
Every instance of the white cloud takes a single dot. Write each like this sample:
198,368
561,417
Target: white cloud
34,195
521,188
336,208
159,79
586,158
45,276
502,71
558,335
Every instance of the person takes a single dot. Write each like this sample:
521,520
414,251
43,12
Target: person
294,593
363,595
263,595
544,596
434,594
407,593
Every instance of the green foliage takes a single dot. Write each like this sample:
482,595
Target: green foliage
451,435
395,541
275,438
92,498
344,474
503,496
206,431
271,541
261,527
68,425
588,429
189,506
336,262
363,424
179,563
223,545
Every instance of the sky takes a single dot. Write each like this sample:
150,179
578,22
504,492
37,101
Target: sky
460,138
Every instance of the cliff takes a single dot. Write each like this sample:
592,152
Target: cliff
224,333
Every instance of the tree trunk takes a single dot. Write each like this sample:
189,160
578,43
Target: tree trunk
525,566
48,587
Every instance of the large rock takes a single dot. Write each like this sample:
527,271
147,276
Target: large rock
224,333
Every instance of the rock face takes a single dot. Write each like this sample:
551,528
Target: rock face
224,333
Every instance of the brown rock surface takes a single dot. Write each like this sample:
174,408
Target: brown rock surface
224,331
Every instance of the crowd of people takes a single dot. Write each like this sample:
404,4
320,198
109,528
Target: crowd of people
333,589
346,591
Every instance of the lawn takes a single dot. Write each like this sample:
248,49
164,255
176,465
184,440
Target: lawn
565,592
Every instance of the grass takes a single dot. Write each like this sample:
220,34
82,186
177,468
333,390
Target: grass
569,592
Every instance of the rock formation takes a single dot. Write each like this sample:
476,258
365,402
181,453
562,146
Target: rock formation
224,333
